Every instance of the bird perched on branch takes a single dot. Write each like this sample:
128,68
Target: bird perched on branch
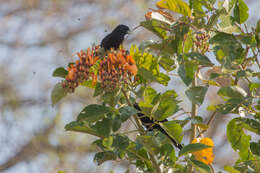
114,40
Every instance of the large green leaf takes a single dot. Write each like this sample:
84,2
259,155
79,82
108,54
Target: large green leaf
148,67
202,167
58,92
192,148
173,129
93,113
81,127
228,49
60,72
237,138
232,92
168,105
196,94
187,71
155,27
177,6
240,11
227,25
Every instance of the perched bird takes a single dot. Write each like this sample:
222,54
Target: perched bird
150,125
114,40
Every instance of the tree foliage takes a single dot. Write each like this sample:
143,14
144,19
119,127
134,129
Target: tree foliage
208,35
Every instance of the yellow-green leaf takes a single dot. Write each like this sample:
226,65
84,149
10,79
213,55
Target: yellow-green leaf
177,6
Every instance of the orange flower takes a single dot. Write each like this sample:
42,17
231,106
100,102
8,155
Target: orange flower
94,79
206,155
131,68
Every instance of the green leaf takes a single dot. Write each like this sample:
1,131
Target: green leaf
98,90
146,74
187,71
149,143
237,138
227,25
177,6
58,92
255,148
173,129
196,120
168,151
167,63
202,167
155,27
228,49
126,112
81,127
240,12
196,94
149,94
60,72
232,92
120,142
213,20
250,124
253,86
103,127
101,157
107,142
88,84
168,105
93,112
192,148
116,123
203,60
230,169
163,79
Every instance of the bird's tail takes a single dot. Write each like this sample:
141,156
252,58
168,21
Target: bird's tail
155,126
173,140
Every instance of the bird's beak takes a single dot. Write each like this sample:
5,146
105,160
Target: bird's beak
129,32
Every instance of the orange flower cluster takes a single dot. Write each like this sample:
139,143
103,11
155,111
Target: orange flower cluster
80,71
115,68
206,155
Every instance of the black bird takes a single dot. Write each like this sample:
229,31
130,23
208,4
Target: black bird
150,125
114,40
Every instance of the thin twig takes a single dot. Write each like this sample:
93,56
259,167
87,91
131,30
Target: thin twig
208,124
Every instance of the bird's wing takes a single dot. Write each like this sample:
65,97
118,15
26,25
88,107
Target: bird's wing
104,42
